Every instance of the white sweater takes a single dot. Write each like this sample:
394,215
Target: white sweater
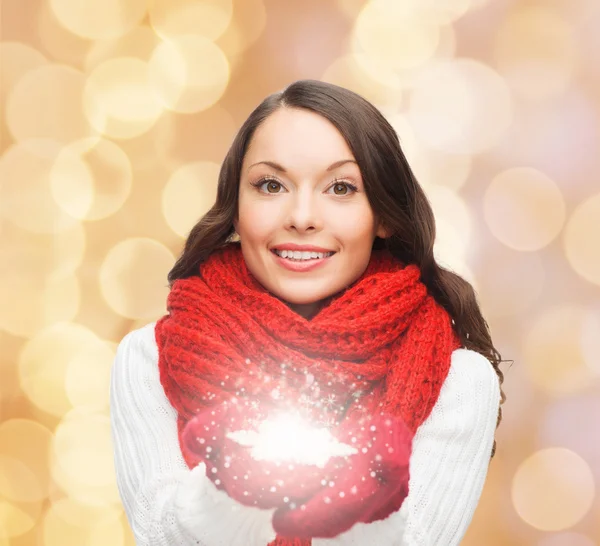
169,505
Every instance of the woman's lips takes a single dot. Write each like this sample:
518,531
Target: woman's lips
301,265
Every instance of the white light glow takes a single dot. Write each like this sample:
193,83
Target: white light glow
288,437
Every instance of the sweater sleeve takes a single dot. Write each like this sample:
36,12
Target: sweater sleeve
448,466
166,503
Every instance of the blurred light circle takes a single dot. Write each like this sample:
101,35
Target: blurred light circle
524,209
573,423
453,227
58,531
82,447
553,489
18,483
185,139
553,353
590,340
87,378
350,8
41,287
581,242
119,100
536,51
207,18
57,41
370,80
16,60
99,497
25,193
510,282
430,166
79,514
189,194
27,442
45,359
44,104
247,25
190,73
446,11
397,34
91,179
537,139
137,44
99,19
18,519
133,278
566,539
459,106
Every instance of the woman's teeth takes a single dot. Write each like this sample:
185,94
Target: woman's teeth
301,255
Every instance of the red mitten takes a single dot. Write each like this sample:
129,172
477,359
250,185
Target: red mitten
371,485
231,467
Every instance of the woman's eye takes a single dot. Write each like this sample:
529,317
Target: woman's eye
342,188
272,186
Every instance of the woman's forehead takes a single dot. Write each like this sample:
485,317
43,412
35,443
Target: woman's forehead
292,135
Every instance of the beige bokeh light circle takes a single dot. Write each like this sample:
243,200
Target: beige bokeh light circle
137,44
45,104
554,356
25,443
17,518
189,194
524,208
91,179
133,278
247,25
189,73
18,483
553,489
40,287
99,19
16,60
87,377
580,241
83,449
536,51
45,359
207,18
58,530
590,339
459,106
79,514
430,166
397,34
453,228
25,192
118,99
369,79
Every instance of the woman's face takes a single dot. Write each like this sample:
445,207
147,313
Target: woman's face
300,185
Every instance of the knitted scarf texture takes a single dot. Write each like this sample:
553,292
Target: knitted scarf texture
382,344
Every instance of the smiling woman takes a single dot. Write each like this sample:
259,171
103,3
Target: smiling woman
301,190
330,311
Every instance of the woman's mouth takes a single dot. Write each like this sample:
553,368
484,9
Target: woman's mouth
298,256
300,261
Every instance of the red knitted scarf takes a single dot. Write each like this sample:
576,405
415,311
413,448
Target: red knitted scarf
383,342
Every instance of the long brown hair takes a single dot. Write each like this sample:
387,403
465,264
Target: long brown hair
394,194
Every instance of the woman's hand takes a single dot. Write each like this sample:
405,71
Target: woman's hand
231,467
372,483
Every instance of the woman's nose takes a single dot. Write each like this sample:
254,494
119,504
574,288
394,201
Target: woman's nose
304,213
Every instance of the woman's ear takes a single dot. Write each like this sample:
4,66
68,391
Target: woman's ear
382,232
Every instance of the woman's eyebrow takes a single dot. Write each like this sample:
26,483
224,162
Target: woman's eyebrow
281,169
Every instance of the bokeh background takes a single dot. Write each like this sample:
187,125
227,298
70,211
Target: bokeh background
115,117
